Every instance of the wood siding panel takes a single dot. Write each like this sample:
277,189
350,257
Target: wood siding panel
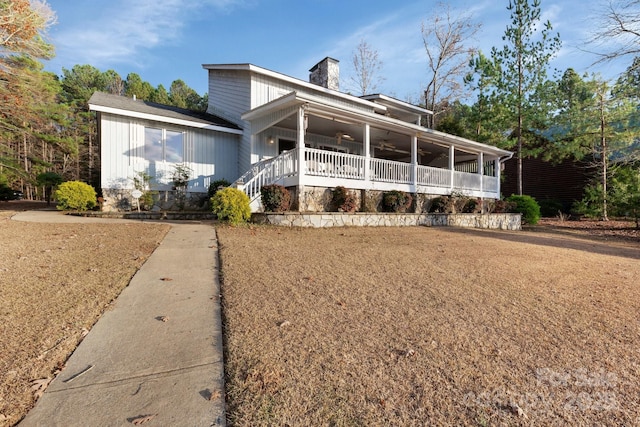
211,155
230,97
542,180
114,150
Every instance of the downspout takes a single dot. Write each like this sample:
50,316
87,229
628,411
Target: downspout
501,160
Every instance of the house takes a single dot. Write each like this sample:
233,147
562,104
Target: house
263,127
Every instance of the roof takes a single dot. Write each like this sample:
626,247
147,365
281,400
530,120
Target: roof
292,80
121,105
396,104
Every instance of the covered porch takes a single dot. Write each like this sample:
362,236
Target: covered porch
308,141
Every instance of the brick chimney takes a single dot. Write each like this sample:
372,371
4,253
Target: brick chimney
326,73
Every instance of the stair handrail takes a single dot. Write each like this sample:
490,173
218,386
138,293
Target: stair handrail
265,173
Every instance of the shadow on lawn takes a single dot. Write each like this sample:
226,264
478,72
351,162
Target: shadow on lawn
558,239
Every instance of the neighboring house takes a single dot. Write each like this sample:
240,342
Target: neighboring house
264,127
556,185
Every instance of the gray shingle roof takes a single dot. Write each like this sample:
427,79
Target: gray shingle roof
139,106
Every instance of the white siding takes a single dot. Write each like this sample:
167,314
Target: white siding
230,97
114,151
211,155
266,89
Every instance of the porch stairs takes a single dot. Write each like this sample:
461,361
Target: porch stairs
266,172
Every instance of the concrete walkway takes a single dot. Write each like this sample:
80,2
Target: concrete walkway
157,353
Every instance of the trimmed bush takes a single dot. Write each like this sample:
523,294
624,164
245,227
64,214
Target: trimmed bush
215,186
275,198
231,205
396,201
527,206
500,206
342,200
75,195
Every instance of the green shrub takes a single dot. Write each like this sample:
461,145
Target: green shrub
215,186
75,195
342,200
527,206
231,205
275,198
396,201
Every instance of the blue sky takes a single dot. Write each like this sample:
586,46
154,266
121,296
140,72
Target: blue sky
164,40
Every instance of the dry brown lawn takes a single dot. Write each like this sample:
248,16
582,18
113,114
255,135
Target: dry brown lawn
55,281
401,326
429,326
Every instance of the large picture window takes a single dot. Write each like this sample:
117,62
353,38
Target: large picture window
163,145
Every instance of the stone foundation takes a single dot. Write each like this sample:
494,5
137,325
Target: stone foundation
503,221
318,199
121,200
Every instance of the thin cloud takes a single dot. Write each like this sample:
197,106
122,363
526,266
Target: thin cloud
122,31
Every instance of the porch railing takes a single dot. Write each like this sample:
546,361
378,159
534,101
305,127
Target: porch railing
467,181
434,177
268,172
390,171
334,164
337,165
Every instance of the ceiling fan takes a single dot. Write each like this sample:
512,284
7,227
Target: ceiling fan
384,145
341,135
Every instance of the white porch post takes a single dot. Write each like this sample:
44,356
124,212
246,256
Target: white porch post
496,173
414,162
300,144
300,148
366,138
480,169
452,165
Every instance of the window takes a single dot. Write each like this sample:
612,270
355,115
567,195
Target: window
163,145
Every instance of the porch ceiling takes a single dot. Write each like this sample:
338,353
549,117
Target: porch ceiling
387,134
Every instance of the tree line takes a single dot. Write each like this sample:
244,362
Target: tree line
503,98
46,129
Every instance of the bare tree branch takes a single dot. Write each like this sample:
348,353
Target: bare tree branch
618,23
367,67
446,35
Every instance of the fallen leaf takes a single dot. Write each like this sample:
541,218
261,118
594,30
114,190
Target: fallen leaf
215,395
39,386
283,324
163,318
166,279
142,419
